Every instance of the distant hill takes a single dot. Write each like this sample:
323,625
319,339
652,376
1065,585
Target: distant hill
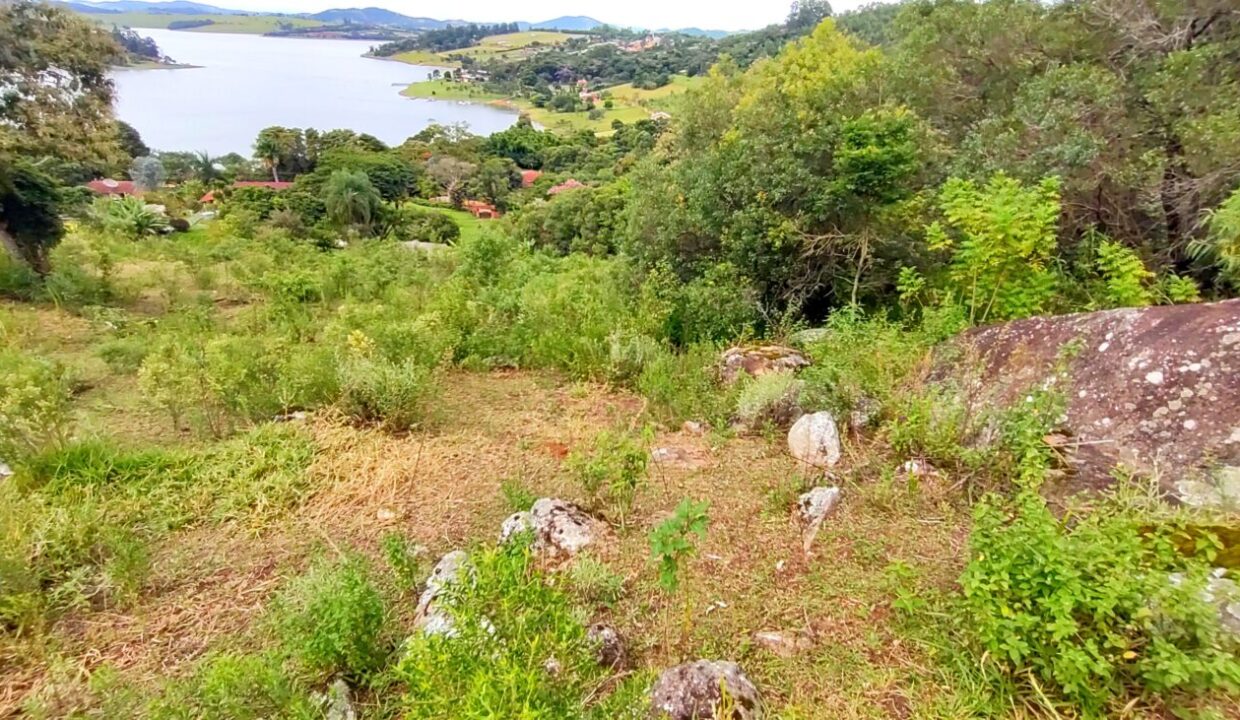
576,23
699,32
378,16
175,7
86,9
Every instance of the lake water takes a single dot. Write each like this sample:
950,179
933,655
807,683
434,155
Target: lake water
247,82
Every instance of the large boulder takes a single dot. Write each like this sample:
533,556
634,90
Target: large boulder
815,440
1156,389
758,360
694,691
560,529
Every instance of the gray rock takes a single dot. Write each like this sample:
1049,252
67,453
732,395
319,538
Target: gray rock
338,702
609,648
815,440
562,529
782,644
815,505
695,691
431,618
5,470
1222,491
516,524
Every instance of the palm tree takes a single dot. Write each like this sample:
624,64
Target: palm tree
351,199
267,148
207,168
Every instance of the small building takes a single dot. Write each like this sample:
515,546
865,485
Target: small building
276,186
113,188
529,177
570,184
481,210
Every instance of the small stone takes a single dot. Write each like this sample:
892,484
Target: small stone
692,427
385,515
553,666
609,648
5,470
781,644
1154,378
815,505
815,440
694,691
758,360
339,702
430,618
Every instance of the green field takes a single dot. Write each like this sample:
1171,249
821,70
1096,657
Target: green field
243,24
630,104
513,46
471,227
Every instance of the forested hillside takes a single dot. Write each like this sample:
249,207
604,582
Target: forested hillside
840,389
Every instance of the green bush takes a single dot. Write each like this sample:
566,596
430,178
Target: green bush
331,620
511,625
612,470
771,399
425,226
34,406
228,686
684,386
1084,608
375,389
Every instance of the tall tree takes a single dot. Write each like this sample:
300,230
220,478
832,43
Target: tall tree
55,108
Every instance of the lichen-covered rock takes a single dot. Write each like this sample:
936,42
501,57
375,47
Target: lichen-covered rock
758,360
815,505
694,691
1220,490
560,529
608,647
1223,593
864,413
516,524
815,440
431,619
337,702
1153,389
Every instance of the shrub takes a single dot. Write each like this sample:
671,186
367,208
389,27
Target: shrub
425,226
511,626
684,386
1085,607
131,218
374,389
34,406
612,470
595,582
671,542
331,620
774,399
229,686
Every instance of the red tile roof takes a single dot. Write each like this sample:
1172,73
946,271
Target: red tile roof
113,187
529,177
565,186
481,209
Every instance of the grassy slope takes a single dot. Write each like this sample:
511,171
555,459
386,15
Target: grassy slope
242,24
631,104
471,227
513,46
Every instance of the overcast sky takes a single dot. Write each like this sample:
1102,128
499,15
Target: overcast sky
709,14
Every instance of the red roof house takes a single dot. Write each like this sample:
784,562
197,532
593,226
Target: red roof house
481,210
565,186
117,188
529,177
277,186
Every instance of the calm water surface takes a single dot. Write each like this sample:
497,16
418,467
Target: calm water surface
247,82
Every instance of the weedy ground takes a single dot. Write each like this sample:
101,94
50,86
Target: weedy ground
190,576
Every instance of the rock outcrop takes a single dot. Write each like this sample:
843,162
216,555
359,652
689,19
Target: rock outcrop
815,440
758,360
1156,390
695,691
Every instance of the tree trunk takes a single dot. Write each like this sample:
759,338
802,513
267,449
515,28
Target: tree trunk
275,169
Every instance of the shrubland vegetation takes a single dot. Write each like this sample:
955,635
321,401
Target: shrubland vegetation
982,162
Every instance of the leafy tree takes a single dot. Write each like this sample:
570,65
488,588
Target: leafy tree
56,110
452,174
495,179
394,177
131,140
1002,237
281,149
351,200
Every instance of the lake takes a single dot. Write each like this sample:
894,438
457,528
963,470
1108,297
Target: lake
245,83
